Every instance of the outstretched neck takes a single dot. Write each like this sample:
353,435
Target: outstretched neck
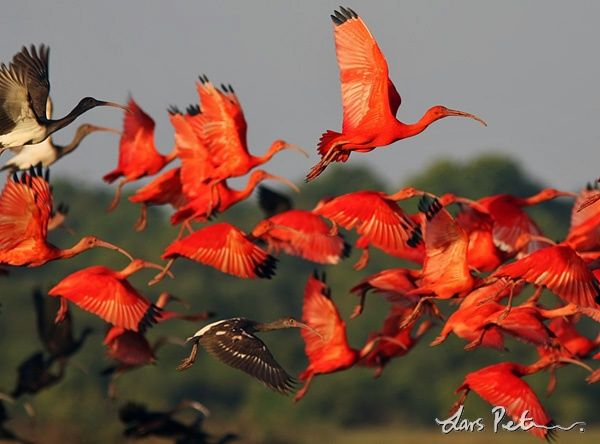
64,150
412,129
54,125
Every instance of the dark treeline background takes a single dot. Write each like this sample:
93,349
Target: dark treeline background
412,391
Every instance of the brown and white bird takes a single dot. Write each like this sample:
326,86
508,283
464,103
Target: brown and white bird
24,88
232,341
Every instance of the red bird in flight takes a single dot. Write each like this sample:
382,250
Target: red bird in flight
369,99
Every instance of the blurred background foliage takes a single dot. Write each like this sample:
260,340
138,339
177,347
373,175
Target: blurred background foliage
412,391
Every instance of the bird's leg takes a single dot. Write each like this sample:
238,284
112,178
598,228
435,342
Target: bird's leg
358,308
300,393
334,231
506,311
62,312
477,342
363,260
117,197
188,226
112,385
378,371
140,225
187,362
160,276
459,402
552,382
536,296
415,313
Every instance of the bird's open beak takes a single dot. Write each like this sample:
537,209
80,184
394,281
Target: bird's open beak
292,146
288,182
104,244
103,128
115,105
453,112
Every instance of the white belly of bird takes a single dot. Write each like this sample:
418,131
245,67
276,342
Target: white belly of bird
24,132
32,155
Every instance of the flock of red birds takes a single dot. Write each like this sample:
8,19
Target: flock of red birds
482,260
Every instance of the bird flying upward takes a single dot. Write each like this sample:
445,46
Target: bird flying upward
369,98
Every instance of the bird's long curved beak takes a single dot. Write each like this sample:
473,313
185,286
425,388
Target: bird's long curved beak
454,112
103,128
292,146
104,244
575,362
309,328
115,105
567,194
288,182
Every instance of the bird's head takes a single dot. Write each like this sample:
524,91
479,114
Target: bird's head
260,175
88,128
88,103
289,322
88,242
279,145
262,228
439,112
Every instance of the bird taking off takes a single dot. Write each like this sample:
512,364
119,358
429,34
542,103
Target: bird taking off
24,88
369,99
232,342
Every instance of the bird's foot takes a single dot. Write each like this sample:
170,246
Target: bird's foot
362,261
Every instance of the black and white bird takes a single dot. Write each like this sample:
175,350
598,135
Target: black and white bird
24,88
47,152
232,342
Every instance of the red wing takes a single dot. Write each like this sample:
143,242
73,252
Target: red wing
500,387
366,97
25,208
584,232
225,248
136,147
237,113
304,234
196,164
128,347
320,313
220,127
510,224
382,221
523,324
164,189
561,270
446,245
99,291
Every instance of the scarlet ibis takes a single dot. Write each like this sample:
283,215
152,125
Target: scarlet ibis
584,230
393,283
369,98
138,156
560,269
297,232
198,209
35,374
57,339
24,87
377,218
407,336
501,385
223,128
107,294
25,208
224,247
326,344
232,341
510,222
164,189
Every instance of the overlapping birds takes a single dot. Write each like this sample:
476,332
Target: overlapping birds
481,259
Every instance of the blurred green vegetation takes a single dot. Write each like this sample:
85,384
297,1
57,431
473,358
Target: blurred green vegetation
412,391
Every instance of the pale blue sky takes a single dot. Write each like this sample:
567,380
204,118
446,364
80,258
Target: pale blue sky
530,69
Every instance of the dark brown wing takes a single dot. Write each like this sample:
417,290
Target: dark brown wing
34,62
55,337
14,104
244,351
272,202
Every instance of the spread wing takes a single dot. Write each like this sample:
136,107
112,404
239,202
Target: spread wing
226,248
34,63
367,99
246,352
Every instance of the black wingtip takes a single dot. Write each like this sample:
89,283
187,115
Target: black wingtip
193,109
173,110
343,15
150,318
430,206
347,251
416,237
266,269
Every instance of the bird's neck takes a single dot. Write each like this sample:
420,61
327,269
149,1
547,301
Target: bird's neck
259,160
68,253
171,156
54,125
412,129
63,150
242,194
535,199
